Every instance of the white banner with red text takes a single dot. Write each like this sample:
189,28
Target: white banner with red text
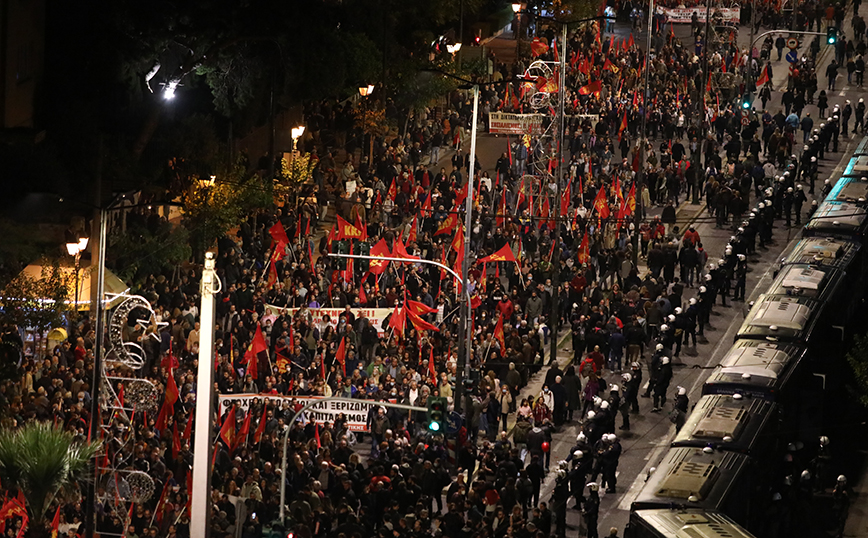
355,412
375,315
684,15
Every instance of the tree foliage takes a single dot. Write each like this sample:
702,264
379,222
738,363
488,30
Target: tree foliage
46,464
37,303
295,171
209,213
139,252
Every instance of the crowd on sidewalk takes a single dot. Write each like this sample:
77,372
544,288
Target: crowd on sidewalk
272,338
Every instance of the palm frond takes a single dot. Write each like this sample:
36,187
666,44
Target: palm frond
43,461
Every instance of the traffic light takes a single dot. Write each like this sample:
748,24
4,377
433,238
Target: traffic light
342,247
436,414
831,35
746,101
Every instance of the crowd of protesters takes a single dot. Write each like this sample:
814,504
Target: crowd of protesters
624,325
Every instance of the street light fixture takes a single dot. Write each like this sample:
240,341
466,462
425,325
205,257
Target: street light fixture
452,49
207,182
365,91
75,249
517,8
297,132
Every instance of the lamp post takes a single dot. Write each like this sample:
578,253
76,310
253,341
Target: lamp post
75,249
516,8
365,91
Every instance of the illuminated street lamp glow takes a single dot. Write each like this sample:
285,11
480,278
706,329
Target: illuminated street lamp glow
365,91
452,49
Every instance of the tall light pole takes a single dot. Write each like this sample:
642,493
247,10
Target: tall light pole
365,91
556,240
640,174
200,505
516,8
75,248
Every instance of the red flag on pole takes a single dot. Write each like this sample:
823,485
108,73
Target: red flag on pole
601,203
420,323
260,428
341,355
498,332
227,431
584,251
763,78
381,249
241,438
257,349
503,255
278,235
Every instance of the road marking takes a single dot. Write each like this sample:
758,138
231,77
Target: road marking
633,491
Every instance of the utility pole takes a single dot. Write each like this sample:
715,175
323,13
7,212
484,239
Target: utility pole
556,246
200,504
640,174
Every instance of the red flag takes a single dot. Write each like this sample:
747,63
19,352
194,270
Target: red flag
278,235
176,441
362,228
420,323
397,320
378,267
498,333
347,230
538,47
256,349
411,237
282,363
593,87
401,252
565,198
630,42
502,212
448,224
458,242
121,394
393,191
601,203
316,435
503,255
461,195
241,438
260,428
227,431
763,78
631,199
584,251
623,126
431,369
419,308
55,523
341,355
610,66
168,408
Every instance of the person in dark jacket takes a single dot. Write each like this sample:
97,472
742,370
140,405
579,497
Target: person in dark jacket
662,384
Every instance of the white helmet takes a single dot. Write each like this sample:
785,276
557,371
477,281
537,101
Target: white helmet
626,378
664,360
761,205
707,276
824,441
614,388
692,301
593,486
742,257
806,475
678,310
581,437
702,289
562,474
604,405
670,317
591,414
722,261
711,267
682,391
659,347
563,464
842,479
664,327
578,454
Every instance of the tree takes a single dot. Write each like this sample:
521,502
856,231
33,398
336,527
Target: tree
37,303
46,464
139,252
210,212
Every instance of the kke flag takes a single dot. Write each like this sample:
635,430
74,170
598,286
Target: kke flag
393,191
397,320
584,251
260,428
503,255
448,224
227,431
257,350
498,333
601,204
593,87
461,195
241,438
381,249
55,523
362,228
411,237
401,251
420,309
631,200
610,66
420,323
347,230
538,47
282,363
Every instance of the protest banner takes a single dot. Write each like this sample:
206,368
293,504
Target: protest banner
355,412
375,315
685,15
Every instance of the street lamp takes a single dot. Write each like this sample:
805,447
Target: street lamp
297,132
75,249
516,8
452,49
366,91
207,182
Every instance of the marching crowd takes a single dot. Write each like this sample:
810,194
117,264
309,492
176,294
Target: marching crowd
272,339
